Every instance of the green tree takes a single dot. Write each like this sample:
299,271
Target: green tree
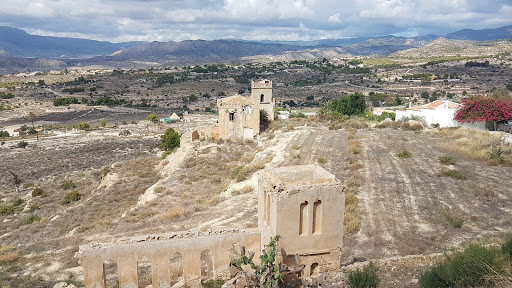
264,120
170,139
354,104
425,95
152,118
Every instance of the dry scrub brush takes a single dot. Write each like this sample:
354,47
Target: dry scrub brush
475,144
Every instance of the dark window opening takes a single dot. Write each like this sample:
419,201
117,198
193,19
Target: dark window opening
231,116
262,98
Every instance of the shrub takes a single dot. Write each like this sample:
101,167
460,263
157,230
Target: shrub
322,160
404,154
241,173
22,144
366,278
447,160
152,118
9,257
104,171
412,126
264,120
475,266
38,191
213,283
4,134
453,173
65,101
6,210
354,146
33,208
32,218
68,184
506,248
71,197
170,139
82,126
356,123
175,212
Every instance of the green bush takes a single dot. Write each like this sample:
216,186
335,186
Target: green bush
22,144
506,248
322,160
366,278
476,266
447,160
82,126
453,173
65,101
213,284
4,134
404,154
32,218
68,184
71,197
152,118
170,139
6,210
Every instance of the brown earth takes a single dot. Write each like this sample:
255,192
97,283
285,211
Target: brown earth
405,208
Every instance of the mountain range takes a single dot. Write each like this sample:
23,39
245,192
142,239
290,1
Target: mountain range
16,46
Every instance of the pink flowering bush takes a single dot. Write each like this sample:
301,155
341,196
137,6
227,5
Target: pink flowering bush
481,108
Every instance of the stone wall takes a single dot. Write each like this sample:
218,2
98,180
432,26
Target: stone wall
160,252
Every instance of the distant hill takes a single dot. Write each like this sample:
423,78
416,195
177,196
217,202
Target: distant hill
17,43
194,51
482,35
449,47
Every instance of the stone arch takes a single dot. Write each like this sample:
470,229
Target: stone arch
144,271
317,217
206,265
110,273
304,218
314,269
176,267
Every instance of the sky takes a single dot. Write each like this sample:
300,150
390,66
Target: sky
282,20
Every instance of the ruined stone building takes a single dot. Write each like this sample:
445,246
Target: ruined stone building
303,204
239,117
261,92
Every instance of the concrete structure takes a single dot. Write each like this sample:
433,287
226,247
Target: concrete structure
239,117
261,93
303,204
439,112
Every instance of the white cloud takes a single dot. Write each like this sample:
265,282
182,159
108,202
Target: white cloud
120,20
335,19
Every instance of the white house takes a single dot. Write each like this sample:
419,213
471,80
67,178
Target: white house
439,112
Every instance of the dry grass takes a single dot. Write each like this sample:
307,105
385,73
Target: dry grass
9,257
475,144
245,190
354,165
389,124
175,212
356,123
351,223
354,146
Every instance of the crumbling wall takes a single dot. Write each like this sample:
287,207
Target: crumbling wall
160,253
